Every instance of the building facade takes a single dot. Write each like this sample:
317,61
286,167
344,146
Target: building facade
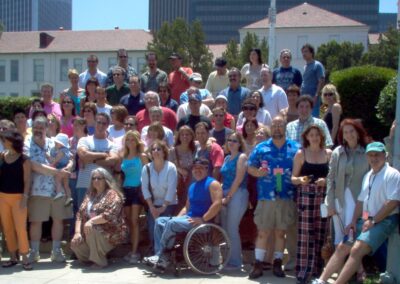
35,15
26,61
221,19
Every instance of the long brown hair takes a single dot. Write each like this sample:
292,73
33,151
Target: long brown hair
321,133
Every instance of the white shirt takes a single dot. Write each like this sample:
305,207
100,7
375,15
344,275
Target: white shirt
105,109
169,136
184,110
163,184
274,100
385,186
85,76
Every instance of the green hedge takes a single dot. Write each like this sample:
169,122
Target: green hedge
359,89
386,107
9,104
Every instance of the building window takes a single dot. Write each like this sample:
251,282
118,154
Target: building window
63,70
38,70
2,70
112,61
13,94
78,64
14,71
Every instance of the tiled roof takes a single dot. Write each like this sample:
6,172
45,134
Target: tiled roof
375,38
75,41
217,49
306,15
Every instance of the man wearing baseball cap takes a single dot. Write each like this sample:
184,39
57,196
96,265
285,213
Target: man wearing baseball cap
196,81
375,217
179,77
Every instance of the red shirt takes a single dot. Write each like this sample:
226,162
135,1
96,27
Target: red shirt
227,121
168,119
178,82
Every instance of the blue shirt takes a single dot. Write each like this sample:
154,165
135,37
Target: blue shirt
279,160
132,169
228,172
313,72
133,104
199,197
204,93
235,98
284,77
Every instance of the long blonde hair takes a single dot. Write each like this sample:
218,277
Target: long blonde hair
139,143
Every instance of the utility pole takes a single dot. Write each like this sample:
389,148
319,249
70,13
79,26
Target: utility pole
271,36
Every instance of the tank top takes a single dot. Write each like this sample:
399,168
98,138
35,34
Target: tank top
12,176
199,197
228,172
317,170
328,120
132,169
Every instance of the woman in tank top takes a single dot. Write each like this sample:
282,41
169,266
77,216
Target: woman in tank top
133,159
310,168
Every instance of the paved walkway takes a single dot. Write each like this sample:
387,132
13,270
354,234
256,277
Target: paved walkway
118,272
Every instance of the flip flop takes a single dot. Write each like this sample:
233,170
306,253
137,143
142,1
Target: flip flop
9,263
27,266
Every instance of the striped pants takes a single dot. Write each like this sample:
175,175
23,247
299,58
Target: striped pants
311,231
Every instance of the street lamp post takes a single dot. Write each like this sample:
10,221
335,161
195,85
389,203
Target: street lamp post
271,36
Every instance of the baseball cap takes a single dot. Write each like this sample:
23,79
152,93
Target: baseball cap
195,97
196,77
220,62
221,97
375,147
174,55
200,162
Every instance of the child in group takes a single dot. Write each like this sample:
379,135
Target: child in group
60,157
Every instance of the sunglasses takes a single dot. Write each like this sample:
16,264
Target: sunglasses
156,149
67,102
123,56
97,178
219,115
248,108
329,94
101,122
233,141
117,74
91,61
130,124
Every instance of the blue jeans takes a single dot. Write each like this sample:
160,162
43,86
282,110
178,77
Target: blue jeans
165,231
231,215
169,211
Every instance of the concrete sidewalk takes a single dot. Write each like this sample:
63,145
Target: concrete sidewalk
118,271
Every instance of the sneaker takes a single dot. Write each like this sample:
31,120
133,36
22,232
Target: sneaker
318,281
33,256
68,202
58,195
277,268
257,270
163,261
57,255
290,265
132,258
151,260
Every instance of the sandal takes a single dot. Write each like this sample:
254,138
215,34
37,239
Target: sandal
27,266
9,263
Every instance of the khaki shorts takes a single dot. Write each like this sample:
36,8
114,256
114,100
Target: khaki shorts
275,214
40,208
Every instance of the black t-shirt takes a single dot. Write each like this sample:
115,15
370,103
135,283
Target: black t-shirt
221,135
12,176
192,120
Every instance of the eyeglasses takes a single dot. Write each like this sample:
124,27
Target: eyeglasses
233,141
116,74
3,128
248,108
97,178
67,102
156,149
101,122
91,61
329,94
129,124
123,56
219,115
87,110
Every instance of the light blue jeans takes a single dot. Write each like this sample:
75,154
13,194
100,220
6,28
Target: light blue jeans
231,215
165,231
169,211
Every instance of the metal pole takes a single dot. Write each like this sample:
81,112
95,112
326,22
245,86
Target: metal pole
271,36
396,144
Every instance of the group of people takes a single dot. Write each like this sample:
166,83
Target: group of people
120,144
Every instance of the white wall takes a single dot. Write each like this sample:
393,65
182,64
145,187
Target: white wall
295,38
26,86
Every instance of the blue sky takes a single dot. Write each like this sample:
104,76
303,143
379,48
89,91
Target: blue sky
134,14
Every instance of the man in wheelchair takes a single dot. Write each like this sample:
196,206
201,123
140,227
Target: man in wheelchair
203,204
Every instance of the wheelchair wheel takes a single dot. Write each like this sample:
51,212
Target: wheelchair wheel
206,248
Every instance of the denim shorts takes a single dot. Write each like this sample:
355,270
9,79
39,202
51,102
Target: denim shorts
378,234
132,195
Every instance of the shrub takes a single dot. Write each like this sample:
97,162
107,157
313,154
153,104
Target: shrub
386,107
359,89
9,104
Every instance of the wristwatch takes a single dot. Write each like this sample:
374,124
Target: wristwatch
372,220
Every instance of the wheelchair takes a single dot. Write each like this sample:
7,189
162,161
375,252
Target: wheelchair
205,249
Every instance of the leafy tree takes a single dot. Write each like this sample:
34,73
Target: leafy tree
263,46
250,41
386,52
231,54
386,106
336,56
186,40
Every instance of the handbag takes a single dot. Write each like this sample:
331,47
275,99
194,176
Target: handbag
328,248
145,205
